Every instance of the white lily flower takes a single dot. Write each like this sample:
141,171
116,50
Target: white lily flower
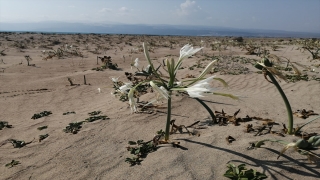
125,87
187,51
199,88
115,80
162,91
132,102
136,62
147,68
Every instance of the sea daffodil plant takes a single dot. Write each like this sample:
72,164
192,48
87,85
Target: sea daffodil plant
164,85
302,146
269,70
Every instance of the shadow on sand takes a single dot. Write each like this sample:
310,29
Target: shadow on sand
268,165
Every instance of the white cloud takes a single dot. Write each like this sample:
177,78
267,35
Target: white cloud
105,10
123,9
187,4
186,8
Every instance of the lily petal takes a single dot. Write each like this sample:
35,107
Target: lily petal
115,80
162,91
200,88
125,87
186,51
136,62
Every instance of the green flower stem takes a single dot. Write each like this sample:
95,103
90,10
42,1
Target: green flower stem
166,136
286,102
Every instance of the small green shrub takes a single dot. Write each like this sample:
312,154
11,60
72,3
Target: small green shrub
12,163
42,128
242,173
73,128
140,149
42,114
4,124
42,137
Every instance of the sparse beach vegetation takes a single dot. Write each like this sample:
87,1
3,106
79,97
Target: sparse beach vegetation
211,104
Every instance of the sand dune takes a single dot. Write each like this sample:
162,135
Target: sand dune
98,150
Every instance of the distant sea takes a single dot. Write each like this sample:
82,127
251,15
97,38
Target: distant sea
215,34
141,29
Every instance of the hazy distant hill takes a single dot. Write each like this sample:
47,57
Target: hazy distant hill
54,26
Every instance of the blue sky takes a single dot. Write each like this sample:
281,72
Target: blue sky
290,15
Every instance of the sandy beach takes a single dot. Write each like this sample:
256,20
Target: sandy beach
99,149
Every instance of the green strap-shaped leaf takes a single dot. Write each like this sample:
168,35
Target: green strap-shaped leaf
306,124
225,84
260,143
226,95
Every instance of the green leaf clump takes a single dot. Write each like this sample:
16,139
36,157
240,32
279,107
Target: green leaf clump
242,173
42,128
94,113
17,143
95,117
140,150
4,124
42,137
12,163
72,112
73,128
40,115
